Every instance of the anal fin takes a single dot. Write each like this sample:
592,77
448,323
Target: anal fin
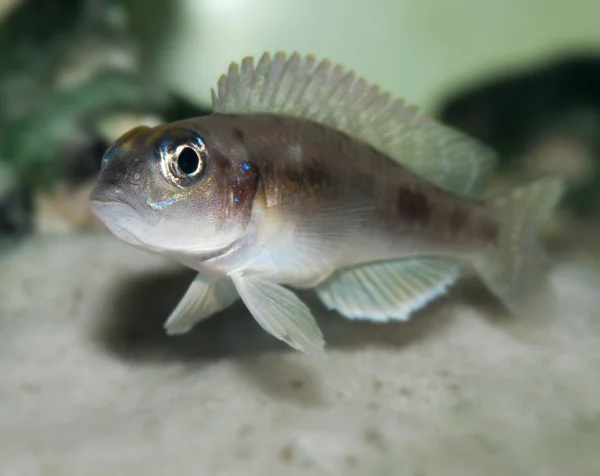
387,291
201,300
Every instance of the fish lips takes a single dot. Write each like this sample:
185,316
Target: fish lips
110,202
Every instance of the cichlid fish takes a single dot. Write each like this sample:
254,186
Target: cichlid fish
305,177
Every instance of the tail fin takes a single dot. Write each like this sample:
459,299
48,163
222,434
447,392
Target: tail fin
516,270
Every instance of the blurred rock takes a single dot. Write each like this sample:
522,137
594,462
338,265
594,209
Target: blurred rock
110,128
562,156
66,211
15,203
70,84
65,208
545,120
86,59
63,69
7,6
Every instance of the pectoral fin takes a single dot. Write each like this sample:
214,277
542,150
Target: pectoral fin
387,291
201,300
281,313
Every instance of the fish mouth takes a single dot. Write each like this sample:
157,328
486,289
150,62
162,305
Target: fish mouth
108,199
107,193
108,203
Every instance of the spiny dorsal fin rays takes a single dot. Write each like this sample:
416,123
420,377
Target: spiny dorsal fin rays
326,93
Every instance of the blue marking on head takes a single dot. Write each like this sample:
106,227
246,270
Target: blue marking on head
162,205
109,155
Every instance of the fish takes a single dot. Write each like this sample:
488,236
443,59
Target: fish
306,177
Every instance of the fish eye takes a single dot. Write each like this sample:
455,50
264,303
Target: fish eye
188,161
183,159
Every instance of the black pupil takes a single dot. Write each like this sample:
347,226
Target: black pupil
188,161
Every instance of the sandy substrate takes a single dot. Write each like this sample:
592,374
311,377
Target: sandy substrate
90,385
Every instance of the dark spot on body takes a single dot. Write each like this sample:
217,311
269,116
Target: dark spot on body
413,206
377,385
488,231
292,180
351,461
458,220
297,384
314,176
239,135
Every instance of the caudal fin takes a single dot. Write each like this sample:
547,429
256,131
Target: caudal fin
516,270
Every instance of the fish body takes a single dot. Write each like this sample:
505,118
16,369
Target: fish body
306,177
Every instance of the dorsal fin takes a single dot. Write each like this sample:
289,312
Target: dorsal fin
326,93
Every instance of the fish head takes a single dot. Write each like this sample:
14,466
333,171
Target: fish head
174,188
